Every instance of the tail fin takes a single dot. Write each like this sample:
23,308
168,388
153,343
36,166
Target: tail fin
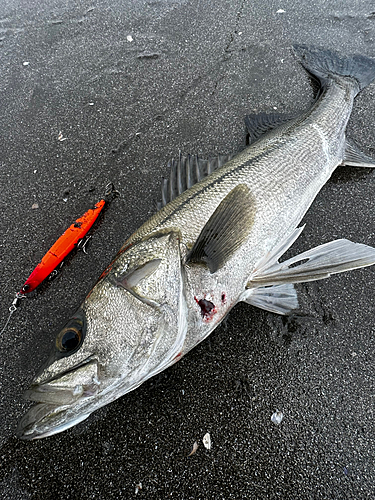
322,63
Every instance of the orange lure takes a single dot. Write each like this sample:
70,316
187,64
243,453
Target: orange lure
62,247
65,244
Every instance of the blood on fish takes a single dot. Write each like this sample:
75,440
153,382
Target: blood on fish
208,309
109,268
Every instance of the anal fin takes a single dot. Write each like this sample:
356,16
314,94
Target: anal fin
279,299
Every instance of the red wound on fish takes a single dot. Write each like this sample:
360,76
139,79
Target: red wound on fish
208,309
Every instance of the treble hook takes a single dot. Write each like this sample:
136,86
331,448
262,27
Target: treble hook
83,242
110,190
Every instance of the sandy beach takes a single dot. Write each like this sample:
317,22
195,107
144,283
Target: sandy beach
98,91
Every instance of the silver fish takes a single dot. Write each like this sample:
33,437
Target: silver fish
216,241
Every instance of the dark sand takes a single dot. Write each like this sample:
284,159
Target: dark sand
185,82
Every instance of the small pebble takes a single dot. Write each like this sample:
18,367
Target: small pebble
148,55
60,137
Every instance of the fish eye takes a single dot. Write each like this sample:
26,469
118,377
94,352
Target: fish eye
70,337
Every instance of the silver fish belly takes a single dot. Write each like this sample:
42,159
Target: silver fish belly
216,241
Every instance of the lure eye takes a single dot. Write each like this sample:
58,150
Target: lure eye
70,337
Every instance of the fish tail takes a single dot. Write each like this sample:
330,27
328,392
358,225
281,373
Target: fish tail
322,64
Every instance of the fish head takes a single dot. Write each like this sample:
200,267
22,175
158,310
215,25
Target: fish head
131,326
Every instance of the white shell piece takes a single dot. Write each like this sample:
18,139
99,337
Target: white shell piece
277,417
137,488
207,441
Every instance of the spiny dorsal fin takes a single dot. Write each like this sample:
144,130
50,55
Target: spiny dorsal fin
187,171
226,230
259,124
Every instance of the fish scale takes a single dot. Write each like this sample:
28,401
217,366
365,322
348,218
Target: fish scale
284,162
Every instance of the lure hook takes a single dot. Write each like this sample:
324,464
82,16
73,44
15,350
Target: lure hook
67,241
83,242
110,191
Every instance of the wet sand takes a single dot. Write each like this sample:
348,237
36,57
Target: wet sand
129,84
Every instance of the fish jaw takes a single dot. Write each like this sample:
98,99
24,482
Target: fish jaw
67,393
63,401
43,420
58,401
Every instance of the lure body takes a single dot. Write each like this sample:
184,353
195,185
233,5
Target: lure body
62,247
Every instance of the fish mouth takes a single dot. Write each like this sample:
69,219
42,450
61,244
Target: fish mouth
58,401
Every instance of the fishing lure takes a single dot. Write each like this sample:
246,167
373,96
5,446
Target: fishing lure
69,240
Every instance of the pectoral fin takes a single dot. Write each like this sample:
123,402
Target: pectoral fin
315,264
226,230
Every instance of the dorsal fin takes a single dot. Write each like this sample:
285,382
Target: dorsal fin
187,171
261,123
